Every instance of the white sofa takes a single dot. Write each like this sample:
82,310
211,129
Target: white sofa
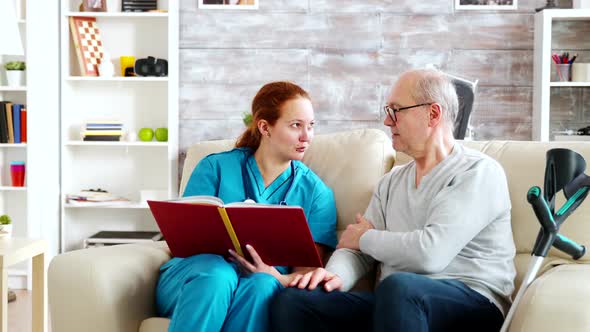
112,288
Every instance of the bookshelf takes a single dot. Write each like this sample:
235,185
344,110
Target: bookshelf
545,88
14,200
34,208
125,167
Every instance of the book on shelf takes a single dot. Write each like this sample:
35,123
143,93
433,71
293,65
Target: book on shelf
121,237
95,198
102,138
102,130
12,122
4,105
23,124
109,124
9,123
102,133
204,224
16,121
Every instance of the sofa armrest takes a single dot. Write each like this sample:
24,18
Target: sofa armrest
104,289
558,300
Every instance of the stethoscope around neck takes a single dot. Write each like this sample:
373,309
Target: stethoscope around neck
247,184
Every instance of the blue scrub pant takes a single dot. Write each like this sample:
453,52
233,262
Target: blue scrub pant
207,293
402,302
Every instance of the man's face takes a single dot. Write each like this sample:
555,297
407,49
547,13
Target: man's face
409,132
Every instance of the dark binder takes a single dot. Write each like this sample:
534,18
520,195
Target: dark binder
3,123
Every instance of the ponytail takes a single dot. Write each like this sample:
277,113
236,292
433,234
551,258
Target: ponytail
250,138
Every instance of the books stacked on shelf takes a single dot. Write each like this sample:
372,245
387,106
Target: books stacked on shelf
13,122
103,131
108,238
95,197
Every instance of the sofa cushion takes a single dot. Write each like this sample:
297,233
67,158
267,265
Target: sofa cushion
349,162
154,324
556,301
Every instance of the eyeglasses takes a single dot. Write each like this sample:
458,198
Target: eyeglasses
389,110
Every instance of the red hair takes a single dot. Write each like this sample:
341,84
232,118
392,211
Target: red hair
267,106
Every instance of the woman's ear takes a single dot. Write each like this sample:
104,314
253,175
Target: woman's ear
263,128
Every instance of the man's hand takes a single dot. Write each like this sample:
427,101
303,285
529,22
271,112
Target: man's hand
351,236
311,279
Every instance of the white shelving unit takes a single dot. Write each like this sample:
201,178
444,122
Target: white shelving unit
34,209
13,200
123,168
543,68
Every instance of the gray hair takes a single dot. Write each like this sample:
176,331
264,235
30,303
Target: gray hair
433,85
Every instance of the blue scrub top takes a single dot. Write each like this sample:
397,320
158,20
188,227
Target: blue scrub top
222,175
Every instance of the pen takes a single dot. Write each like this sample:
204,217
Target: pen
573,58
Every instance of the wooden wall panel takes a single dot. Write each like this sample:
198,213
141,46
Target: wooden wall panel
271,6
389,6
241,66
248,29
493,67
571,35
467,30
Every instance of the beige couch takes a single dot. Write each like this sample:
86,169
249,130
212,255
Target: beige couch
112,288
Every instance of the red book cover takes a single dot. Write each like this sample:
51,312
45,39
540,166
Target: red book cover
278,233
23,125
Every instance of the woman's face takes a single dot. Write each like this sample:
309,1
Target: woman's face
292,133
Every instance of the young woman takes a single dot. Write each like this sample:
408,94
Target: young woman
207,293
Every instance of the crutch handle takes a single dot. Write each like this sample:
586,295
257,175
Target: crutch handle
569,247
541,210
549,227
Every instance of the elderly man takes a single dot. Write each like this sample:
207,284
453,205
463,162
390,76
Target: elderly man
439,228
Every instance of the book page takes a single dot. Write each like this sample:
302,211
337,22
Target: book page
212,200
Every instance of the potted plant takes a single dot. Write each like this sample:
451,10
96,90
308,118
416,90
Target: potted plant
247,118
5,226
15,73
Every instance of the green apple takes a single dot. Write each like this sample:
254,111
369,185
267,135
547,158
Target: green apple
162,134
145,134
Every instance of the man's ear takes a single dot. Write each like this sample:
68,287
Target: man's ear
435,114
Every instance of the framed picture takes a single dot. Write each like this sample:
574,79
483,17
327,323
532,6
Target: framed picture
486,4
228,4
94,5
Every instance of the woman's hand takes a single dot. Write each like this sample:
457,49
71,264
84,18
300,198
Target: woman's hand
257,265
311,279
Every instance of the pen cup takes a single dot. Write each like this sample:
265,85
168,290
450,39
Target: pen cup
564,72
17,173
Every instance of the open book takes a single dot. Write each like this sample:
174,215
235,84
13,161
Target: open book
203,224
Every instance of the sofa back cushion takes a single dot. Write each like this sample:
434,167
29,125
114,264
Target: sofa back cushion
349,162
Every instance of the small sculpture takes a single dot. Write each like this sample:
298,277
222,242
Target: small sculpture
106,67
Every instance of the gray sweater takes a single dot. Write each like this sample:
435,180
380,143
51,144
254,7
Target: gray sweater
455,224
